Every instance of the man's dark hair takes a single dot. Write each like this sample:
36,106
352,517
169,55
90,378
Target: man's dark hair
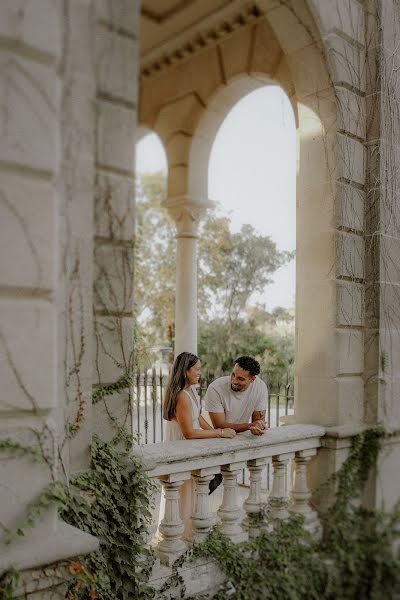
247,363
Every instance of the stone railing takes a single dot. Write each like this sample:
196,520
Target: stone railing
175,462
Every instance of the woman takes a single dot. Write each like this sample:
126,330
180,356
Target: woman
182,412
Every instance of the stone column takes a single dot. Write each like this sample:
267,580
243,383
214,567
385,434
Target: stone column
229,511
202,518
301,493
186,215
171,528
253,504
278,500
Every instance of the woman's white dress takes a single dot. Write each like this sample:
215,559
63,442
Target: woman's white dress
173,433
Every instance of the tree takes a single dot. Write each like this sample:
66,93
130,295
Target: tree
232,267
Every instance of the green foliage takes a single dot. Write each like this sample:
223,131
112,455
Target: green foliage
357,559
231,268
112,502
8,583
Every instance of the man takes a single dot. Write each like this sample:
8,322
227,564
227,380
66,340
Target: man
239,400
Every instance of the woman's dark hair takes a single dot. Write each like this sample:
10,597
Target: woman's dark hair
247,363
177,381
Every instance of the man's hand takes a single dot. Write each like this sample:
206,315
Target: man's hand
258,427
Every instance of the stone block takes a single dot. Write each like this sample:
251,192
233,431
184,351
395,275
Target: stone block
390,26
113,348
116,135
178,181
80,32
111,414
351,112
80,121
113,283
26,23
350,351
389,259
181,115
347,63
387,487
114,207
309,71
116,60
295,29
28,355
350,400
350,158
121,14
28,115
350,303
27,242
22,478
316,400
178,149
349,207
349,255
346,16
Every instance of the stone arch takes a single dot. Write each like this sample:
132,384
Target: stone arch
300,46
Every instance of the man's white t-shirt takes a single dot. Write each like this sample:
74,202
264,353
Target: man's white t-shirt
237,406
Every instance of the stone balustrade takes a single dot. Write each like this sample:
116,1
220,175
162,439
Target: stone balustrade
173,463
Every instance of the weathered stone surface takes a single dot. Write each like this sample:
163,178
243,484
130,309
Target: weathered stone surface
27,241
350,351
349,207
113,347
347,63
114,207
346,16
121,14
117,59
25,22
113,283
28,115
116,134
349,255
350,303
28,356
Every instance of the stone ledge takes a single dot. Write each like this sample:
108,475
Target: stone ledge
34,551
186,455
200,577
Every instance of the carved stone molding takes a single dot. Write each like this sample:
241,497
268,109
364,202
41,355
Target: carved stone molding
220,24
186,215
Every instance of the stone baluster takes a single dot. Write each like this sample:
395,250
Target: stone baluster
253,504
278,499
171,527
229,511
202,518
301,494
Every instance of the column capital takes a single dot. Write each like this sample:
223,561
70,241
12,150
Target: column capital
186,214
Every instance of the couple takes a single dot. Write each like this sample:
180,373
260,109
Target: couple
235,403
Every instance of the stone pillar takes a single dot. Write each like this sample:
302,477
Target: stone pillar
202,518
34,49
186,215
301,493
382,290
229,511
253,504
116,33
171,528
278,500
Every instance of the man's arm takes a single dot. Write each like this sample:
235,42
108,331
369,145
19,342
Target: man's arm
219,421
258,415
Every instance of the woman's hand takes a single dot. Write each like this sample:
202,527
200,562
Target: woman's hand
227,433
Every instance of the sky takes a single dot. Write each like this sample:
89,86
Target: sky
252,174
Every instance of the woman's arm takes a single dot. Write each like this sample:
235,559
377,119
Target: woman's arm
204,424
183,416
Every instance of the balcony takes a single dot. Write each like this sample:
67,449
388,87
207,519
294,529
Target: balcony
288,449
